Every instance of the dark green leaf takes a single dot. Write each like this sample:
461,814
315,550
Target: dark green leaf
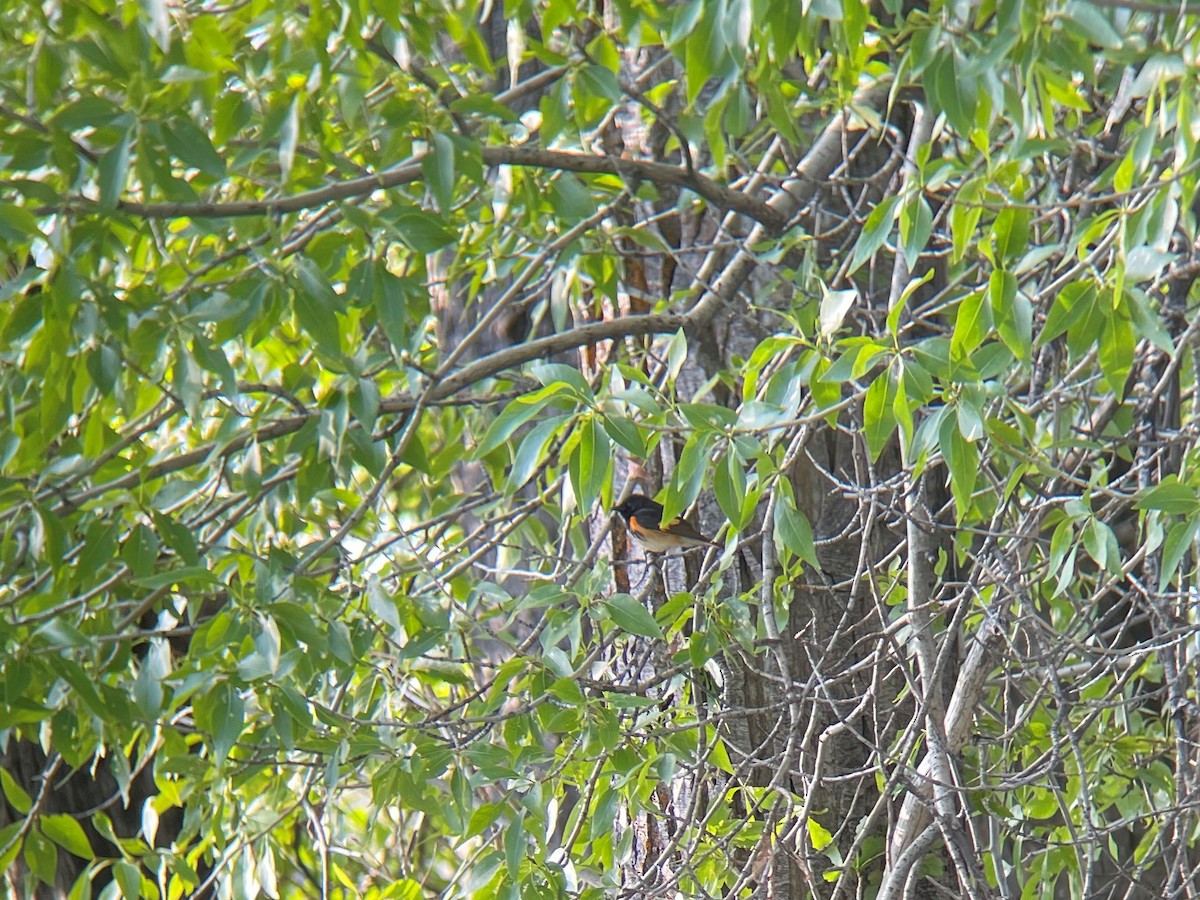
516,414
729,486
626,433
792,529
315,302
17,224
422,231
41,856
530,455
438,168
114,170
689,475
1180,539
392,308
629,615
879,417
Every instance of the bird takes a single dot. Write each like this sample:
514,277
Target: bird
643,519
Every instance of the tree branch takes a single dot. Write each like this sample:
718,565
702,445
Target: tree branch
719,195
630,326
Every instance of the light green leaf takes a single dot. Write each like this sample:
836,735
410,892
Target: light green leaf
971,325
16,796
67,833
834,306
1090,22
129,879
1171,496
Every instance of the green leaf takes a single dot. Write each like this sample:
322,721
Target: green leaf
598,81
392,300
677,351
1170,496
916,225
1073,303
129,880
67,833
17,224
897,310
1143,263
729,486
438,167
953,90
382,605
1010,233
516,414
289,137
315,302
1060,542
1117,344
972,324
192,147
629,615
15,794
113,171
41,856
689,475
84,687
1089,21
556,373
148,692
970,418
962,459
590,463
964,218
834,306
626,433
421,230
530,454
875,232
792,528
819,836
879,417
10,845
222,714
1180,539
1012,313
1146,321
140,551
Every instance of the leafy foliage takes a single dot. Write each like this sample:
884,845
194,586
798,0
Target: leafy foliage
332,332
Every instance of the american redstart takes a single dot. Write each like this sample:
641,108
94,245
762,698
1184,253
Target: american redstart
643,519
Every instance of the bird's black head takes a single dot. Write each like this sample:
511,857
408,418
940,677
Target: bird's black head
636,504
